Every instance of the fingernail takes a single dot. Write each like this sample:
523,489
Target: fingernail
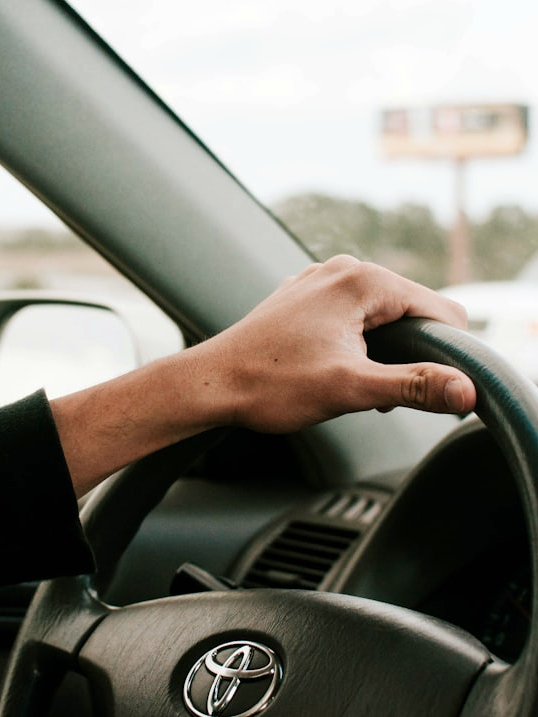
454,396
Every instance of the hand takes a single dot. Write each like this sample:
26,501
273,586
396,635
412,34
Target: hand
296,359
300,356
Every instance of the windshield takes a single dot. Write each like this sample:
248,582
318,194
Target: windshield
399,131
294,96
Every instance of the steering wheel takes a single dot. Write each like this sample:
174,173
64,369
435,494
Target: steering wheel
240,653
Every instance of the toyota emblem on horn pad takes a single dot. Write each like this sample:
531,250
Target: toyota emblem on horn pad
235,679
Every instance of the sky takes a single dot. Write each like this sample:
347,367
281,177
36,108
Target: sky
288,93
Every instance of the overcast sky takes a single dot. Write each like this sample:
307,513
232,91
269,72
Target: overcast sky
289,92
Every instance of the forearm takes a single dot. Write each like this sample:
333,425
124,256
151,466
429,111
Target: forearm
105,427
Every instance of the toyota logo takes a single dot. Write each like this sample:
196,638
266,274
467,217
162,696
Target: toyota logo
236,679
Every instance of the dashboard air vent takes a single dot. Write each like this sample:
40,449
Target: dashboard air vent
300,556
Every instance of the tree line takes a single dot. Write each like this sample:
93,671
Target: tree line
409,239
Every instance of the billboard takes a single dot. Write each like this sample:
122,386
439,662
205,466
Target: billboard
454,131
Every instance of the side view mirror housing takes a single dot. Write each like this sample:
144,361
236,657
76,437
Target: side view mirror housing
65,344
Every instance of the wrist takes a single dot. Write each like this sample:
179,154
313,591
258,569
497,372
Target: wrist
140,412
205,387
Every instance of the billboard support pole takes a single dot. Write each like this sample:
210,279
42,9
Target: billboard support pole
459,236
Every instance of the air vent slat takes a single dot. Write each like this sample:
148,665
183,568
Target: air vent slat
335,539
269,563
328,504
306,547
289,556
279,578
320,529
357,508
339,507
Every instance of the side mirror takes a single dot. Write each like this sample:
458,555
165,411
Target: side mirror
66,345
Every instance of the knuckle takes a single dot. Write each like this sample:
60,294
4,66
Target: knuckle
349,273
460,311
345,382
342,262
362,279
415,388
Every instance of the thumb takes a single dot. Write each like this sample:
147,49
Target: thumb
426,386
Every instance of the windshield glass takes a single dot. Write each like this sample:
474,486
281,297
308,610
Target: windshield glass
290,94
399,131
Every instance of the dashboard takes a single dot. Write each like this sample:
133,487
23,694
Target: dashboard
450,541
490,598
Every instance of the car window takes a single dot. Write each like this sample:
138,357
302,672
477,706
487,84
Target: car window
37,251
67,348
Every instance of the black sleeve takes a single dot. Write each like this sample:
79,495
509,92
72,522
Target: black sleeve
40,532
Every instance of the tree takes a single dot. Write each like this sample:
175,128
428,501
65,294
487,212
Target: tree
330,225
503,243
407,240
414,244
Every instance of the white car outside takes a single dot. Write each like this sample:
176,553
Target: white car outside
504,314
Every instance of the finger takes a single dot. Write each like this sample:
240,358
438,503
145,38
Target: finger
386,296
291,280
431,305
426,386
420,301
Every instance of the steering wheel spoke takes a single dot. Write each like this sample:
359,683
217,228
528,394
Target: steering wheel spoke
62,615
339,655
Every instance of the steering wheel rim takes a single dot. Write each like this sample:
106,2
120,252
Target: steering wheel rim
508,405
66,614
